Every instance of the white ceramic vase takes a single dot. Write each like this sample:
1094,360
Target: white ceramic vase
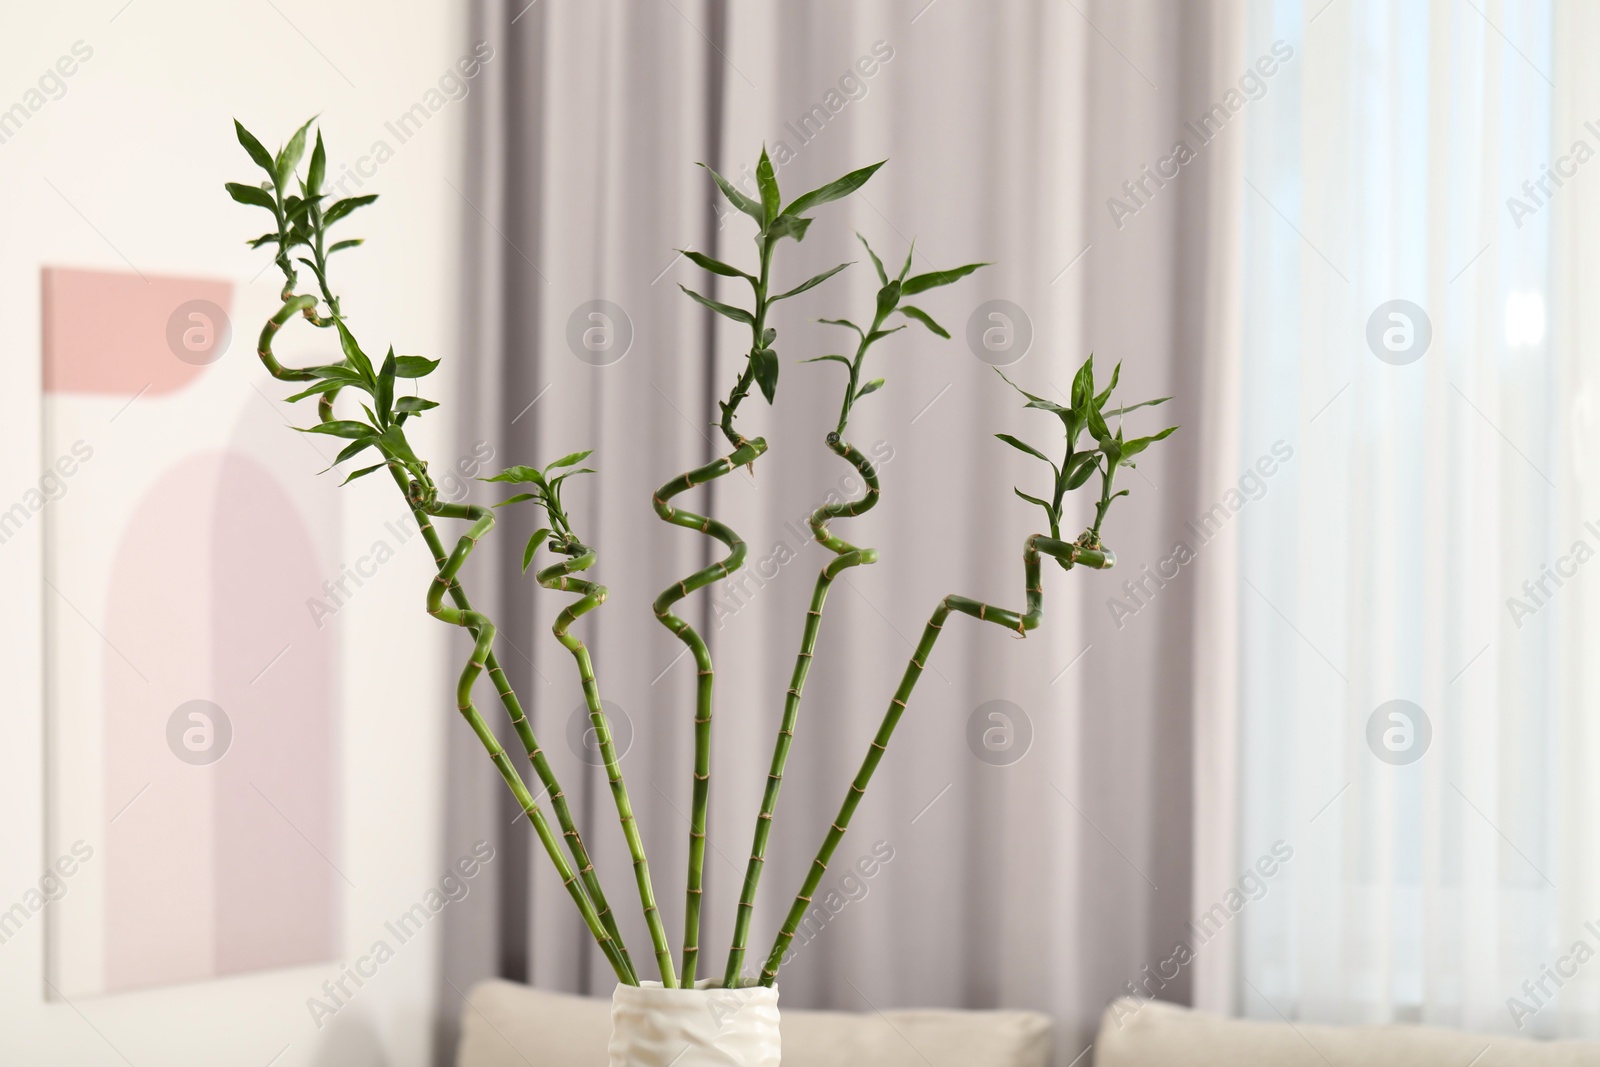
652,1026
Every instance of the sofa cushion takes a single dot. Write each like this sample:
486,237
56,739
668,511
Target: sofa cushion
510,1025
1164,1035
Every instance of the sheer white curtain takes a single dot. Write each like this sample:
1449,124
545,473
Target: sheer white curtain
1444,848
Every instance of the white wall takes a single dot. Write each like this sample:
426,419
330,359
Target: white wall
137,149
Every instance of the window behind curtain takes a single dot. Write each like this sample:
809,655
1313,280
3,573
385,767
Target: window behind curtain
1400,552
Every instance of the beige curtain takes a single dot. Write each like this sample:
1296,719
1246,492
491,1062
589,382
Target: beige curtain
1048,883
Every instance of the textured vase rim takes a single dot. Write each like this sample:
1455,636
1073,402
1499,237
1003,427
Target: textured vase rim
650,991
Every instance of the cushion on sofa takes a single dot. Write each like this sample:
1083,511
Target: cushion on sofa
510,1025
1163,1035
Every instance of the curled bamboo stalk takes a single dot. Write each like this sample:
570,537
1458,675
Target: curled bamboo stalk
445,579
888,302
775,222
1066,553
846,555
592,595
746,452
301,221
483,631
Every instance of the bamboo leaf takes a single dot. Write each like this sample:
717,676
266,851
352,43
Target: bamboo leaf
340,246
834,190
362,473
878,335
354,449
1082,467
715,266
352,352
338,372
1035,400
385,394
1139,444
843,322
836,359
255,196
888,297
328,385
415,366
1116,372
932,280
767,182
1023,446
262,157
318,168
734,313
735,197
924,318
519,498
414,405
393,441
556,481
1083,384
342,428
1098,427
289,156
533,546
519,473
1135,407
789,226
883,279
266,238
343,207
766,365
1048,510
906,266
810,283
871,387
569,460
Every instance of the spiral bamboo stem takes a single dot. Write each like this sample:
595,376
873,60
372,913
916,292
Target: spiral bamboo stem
592,595
482,522
1029,619
846,556
611,943
747,452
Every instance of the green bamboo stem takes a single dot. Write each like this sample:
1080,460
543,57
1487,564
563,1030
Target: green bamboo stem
1065,552
587,895
746,452
846,556
482,519
611,943
291,306
559,576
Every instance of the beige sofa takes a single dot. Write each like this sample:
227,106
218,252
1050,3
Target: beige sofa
1161,1035
507,1025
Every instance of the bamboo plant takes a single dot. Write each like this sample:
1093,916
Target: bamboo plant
846,555
302,214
